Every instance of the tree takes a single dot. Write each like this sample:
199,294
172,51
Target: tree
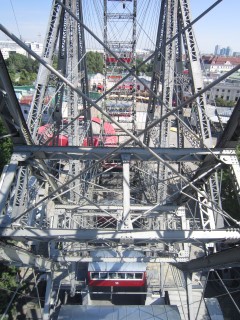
5,147
224,103
94,62
8,283
146,68
22,70
229,198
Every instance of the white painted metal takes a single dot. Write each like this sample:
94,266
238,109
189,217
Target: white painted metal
116,198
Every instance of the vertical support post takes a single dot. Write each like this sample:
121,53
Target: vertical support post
126,221
111,293
162,279
6,180
46,309
73,279
35,115
193,56
134,41
105,67
188,277
235,174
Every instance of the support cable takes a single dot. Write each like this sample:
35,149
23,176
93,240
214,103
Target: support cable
15,17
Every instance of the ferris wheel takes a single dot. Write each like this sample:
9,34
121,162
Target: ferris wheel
128,182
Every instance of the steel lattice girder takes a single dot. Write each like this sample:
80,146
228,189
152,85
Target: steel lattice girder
123,236
225,258
24,153
23,258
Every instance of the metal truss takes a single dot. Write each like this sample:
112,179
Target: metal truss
23,258
222,259
124,49
141,193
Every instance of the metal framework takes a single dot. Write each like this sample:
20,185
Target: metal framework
120,100
139,193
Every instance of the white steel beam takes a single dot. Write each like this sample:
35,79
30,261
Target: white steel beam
222,259
48,293
74,258
6,181
97,235
126,220
116,207
141,154
24,258
189,292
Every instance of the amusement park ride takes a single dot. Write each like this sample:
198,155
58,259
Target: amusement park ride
100,198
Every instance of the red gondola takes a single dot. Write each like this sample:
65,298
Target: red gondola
45,133
109,138
118,274
111,60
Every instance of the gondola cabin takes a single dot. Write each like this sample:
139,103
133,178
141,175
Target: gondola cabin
119,109
109,138
101,274
45,133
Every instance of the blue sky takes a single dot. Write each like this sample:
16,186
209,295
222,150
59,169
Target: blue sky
220,26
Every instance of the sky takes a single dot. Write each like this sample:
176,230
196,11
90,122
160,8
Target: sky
220,26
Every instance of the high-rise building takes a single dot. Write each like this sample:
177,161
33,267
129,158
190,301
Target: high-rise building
220,51
228,51
223,52
217,50
236,54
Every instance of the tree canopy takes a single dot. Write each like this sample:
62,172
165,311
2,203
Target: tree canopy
224,103
5,147
145,68
22,70
94,62
8,283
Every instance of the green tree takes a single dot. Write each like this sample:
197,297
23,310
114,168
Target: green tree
5,147
8,283
146,68
143,68
224,103
22,70
229,198
94,62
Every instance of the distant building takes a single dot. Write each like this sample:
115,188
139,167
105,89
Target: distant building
36,47
217,114
219,64
224,90
221,51
95,50
228,52
217,50
236,54
96,82
8,46
143,53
